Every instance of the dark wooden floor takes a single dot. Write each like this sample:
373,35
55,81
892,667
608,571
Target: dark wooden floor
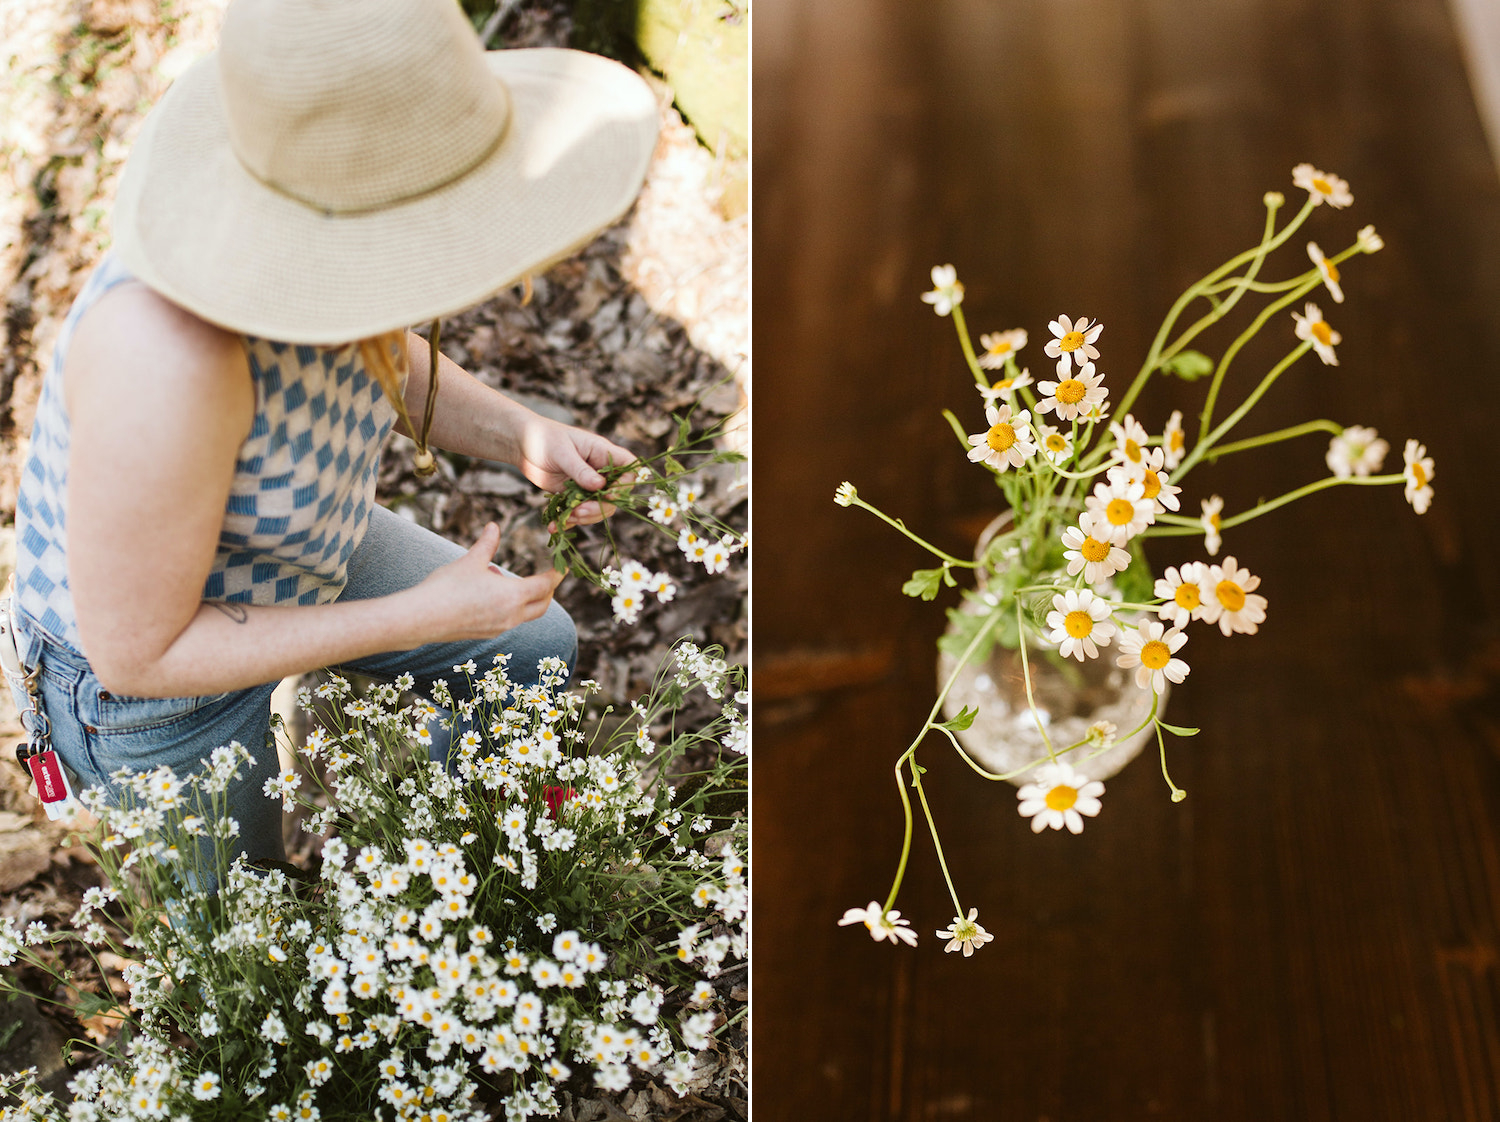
1315,933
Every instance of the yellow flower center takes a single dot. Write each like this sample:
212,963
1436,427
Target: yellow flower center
1322,186
1213,520
1000,348
1057,442
1323,333
1176,440
1132,451
1119,512
1187,596
1330,270
1079,624
1231,595
1155,655
1419,475
1071,391
1002,385
1093,550
1152,483
1071,341
1001,437
1061,797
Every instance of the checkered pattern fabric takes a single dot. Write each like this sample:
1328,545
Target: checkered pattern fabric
303,487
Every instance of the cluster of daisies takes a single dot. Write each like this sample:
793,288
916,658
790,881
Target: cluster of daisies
632,583
530,911
1088,599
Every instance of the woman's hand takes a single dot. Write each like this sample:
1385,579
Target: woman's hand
470,598
551,453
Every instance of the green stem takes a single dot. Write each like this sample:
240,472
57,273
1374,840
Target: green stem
962,328
1273,438
932,829
1178,794
1205,444
898,524
1271,504
1026,673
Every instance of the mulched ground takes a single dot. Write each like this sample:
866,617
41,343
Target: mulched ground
648,321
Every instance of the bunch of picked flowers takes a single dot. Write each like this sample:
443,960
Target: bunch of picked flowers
661,491
1065,578
562,903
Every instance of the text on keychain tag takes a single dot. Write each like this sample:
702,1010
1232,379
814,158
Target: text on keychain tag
51,783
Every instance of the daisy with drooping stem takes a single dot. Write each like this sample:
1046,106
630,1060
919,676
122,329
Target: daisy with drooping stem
1080,623
883,924
1213,509
1418,472
1322,186
1120,509
947,292
1073,395
965,934
1230,600
1088,550
1328,270
1072,339
1314,329
1007,442
1149,650
1182,589
1000,347
1356,451
1058,796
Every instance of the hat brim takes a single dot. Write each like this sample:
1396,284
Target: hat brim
194,225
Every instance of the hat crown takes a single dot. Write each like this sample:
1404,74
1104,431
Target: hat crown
354,105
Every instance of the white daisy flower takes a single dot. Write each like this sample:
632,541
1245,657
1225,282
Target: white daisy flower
1324,187
1007,443
1056,445
1097,411
1155,483
1213,507
1368,240
1073,397
1182,589
1174,441
1000,346
1356,451
661,508
1093,555
1080,624
1229,601
1004,389
846,494
1130,445
882,924
1150,649
965,934
1072,337
946,292
1329,270
1058,796
1121,509
1314,329
1419,472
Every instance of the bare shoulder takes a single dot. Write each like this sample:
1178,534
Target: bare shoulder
137,344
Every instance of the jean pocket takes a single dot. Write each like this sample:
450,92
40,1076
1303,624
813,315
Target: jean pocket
110,712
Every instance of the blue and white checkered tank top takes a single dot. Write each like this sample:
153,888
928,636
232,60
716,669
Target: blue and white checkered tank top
303,487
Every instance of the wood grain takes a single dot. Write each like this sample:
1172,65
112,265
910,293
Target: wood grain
1313,934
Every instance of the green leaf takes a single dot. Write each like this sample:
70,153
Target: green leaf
1178,730
91,1005
926,582
1188,365
964,719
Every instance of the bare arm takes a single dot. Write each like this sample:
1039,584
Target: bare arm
160,403
475,420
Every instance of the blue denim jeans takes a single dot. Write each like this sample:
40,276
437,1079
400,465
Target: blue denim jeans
96,733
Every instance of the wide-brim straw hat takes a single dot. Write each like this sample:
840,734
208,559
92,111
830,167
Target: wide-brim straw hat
341,168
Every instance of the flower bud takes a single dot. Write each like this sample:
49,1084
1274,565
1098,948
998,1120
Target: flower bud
1273,199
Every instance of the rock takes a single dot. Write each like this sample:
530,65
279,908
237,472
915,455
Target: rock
31,1040
24,855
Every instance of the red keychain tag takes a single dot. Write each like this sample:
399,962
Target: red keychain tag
51,783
